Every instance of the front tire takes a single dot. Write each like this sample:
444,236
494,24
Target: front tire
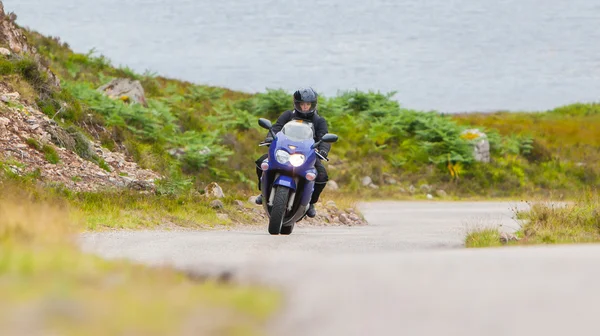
280,201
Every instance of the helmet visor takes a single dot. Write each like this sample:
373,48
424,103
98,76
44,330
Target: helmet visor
305,107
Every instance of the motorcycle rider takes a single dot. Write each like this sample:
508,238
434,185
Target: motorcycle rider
305,108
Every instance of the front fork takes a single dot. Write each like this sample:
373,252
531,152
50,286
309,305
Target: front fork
292,197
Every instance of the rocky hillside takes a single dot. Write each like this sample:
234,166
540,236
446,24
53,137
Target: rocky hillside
33,143
29,143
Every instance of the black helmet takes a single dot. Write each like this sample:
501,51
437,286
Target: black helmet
305,95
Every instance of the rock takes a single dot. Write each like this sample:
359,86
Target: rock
4,122
222,216
332,185
127,179
4,51
140,185
505,237
425,188
204,151
366,181
344,219
331,204
176,152
83,146
125,89
441,193
252,199
15,170
214,190
373,186
391,180
429,196
480,143
239,203
7,97
412,189
61,138
216,204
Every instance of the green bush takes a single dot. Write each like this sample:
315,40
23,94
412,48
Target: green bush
51,154
6,67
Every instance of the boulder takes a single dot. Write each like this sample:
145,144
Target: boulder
125,89
480,143
214,190
332,186
441,193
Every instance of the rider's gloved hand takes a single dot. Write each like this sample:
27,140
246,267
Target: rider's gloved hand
267,141
322,153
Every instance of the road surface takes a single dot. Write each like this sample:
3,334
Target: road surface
406,273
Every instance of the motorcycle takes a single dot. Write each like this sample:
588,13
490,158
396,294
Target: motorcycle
289,173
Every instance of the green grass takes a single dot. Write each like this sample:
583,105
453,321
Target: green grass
50,154
483,238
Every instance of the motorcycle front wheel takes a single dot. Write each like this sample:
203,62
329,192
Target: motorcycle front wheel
280,201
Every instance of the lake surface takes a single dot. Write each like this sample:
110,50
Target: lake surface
445,55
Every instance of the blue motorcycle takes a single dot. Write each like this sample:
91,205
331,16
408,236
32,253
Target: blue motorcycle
289,173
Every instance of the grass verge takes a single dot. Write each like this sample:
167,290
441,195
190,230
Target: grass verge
49,287
550,223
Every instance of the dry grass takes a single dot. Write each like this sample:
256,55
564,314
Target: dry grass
576,222
49,287
550,223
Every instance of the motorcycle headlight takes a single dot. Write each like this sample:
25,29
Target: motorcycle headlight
297,160
282,156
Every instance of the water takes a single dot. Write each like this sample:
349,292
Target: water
445,55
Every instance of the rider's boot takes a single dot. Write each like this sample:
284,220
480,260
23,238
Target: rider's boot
258,199
311,212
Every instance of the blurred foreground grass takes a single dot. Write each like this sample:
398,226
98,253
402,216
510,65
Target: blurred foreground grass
49,287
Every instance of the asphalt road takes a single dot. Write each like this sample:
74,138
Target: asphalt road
404,274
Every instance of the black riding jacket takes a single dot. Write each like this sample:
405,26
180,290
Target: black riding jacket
319,124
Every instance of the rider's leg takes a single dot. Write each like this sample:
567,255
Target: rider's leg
320,183
259,174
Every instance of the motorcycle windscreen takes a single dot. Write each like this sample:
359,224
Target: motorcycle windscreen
297,130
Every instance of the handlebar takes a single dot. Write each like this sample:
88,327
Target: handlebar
322,157
316,152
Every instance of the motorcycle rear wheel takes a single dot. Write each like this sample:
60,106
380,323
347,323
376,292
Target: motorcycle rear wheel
286,230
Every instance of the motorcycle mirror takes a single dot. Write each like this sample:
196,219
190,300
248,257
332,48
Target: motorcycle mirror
265,123
329,137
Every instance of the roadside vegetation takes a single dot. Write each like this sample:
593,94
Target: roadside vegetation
549,223
196,134
49,287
